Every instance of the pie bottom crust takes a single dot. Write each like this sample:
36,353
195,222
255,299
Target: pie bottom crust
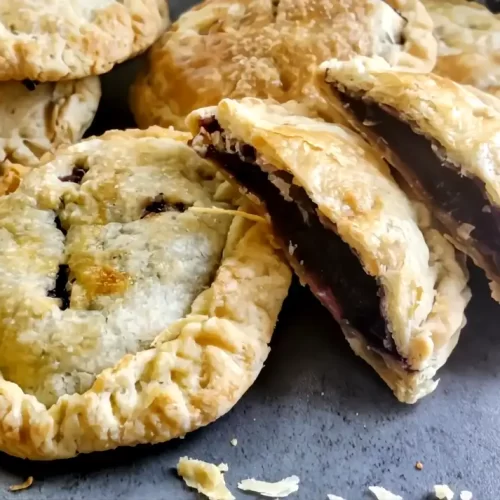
194,372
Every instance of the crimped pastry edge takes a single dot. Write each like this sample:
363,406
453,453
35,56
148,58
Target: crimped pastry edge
142,398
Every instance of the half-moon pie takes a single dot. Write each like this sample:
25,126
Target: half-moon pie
391,281
135,306
270,48
442,138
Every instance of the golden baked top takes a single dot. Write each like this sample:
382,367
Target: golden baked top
270,48
109,248
468,37
66,39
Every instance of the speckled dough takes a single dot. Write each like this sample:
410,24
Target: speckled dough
270,48
33,122
51,40
165,316
424,286
468,37
463,124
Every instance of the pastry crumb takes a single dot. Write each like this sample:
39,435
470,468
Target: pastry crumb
204,477
419,465
443,492
234,442
465,495
279,489
334,497
383,494
22,486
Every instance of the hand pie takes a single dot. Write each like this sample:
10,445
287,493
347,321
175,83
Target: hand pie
54,40
467,34
37,118
270,48
135,308
442,138
390,280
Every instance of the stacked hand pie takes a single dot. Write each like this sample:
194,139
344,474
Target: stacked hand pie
50,54
143,272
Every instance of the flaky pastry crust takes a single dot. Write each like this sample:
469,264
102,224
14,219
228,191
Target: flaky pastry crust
424,286
467,34
463,122
69,39
198,367
34,122
270,48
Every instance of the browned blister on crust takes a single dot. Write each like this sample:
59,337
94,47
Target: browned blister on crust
128,316
269,49
443,139
369,254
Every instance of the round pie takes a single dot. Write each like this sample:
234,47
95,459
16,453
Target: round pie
68,39
467,34
35,119
270,49
138,296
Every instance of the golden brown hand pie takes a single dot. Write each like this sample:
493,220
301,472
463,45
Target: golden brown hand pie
468,48
442,138
37,118
371,257
133,308
54,40
270,48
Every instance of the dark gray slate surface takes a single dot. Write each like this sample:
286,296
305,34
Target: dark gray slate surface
316,411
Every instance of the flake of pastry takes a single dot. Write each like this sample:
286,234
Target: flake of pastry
419,465
443,492
441,138
334,497
204,477
465,495
467,34
399,293
234,442
128,317
279,489
23,486
383,494
239,48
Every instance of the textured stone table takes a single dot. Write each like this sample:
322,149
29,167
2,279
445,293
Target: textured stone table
316,411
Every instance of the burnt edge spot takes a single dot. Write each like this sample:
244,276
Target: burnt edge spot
60,290
30,84
76,176
347,291
158,205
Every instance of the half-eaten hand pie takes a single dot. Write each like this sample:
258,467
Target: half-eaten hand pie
391,281
134,306
442,138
